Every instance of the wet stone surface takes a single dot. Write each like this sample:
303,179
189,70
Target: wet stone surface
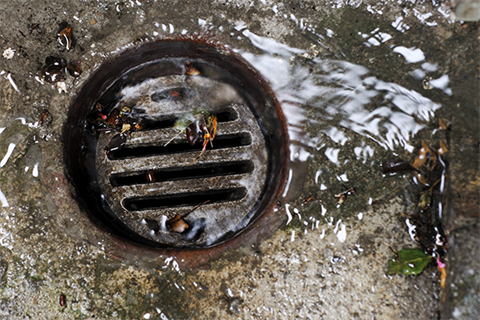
464,282
360,84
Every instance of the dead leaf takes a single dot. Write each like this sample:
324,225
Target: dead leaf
443,148
442,124
422,178
125,127
124,111
113,117
74,70
65,37
190,70
443,272
177,224
46,118
341,198
421,158
443,277
425,157
117,142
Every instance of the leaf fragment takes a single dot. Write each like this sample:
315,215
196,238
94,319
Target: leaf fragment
125,127
443,148
425,157
113,117
408,262
425,200
442,124
65,37
177,224
443,272
422,178
443,277
421,158
45,118
190,70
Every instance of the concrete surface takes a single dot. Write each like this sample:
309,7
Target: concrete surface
328,62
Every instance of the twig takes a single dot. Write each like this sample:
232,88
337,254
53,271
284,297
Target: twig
198,206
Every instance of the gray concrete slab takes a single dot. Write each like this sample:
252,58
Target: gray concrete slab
360,83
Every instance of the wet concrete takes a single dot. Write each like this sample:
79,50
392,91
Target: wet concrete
460,300
329,261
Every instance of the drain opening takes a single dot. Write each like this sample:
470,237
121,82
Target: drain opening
221,142
168,121
184,199
151,177
181,173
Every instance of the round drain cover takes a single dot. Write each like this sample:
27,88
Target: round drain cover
133,168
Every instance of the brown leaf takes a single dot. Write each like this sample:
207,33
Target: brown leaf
443,148
65,37
177,224
46,118
420,158
190,70
442,125
422,178
443,276
113,117
425,157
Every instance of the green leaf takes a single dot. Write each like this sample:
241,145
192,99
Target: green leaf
408,262
188,118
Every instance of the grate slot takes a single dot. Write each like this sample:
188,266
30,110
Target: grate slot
220,142
184,199
168,121
183,173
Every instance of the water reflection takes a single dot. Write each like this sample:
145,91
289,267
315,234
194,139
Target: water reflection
9,152
335,107
3,199
339,94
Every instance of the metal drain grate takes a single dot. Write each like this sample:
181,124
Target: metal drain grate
231,176
136,189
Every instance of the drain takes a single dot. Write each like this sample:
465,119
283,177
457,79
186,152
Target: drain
133,184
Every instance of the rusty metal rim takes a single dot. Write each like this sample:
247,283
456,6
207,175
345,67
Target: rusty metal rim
262,225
